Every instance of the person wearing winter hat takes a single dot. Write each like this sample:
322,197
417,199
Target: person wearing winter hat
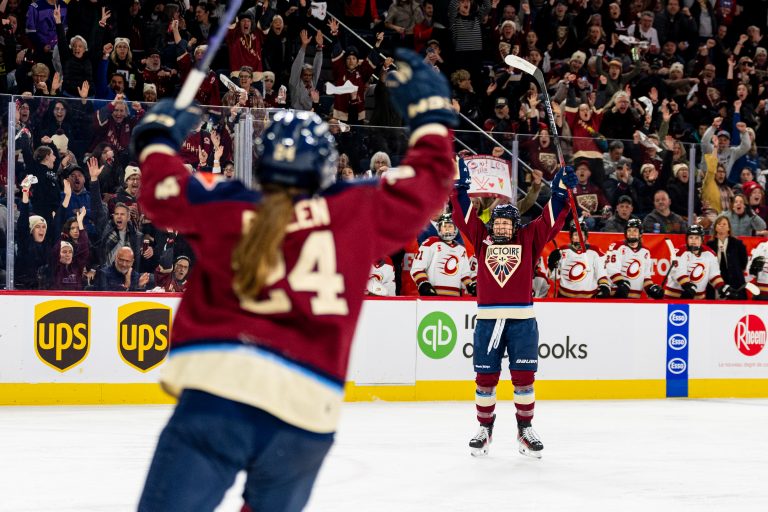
33,246
755,195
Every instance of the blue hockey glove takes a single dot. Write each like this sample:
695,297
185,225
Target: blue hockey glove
565,179
164,124
420,93
464,180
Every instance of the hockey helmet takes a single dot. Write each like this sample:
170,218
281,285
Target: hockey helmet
297,150
446,229
504,211
694,230
582,224
637,224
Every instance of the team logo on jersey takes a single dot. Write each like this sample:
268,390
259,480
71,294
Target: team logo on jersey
502,261
698,271
633,269
577,272
451,265
62,333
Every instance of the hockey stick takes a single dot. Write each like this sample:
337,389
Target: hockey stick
529,69
672,260
197,75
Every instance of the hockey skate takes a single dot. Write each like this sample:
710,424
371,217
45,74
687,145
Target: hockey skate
482,440
528,441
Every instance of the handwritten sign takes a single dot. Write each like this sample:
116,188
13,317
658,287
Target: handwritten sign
490,176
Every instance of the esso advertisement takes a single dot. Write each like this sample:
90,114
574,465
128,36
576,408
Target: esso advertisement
733,341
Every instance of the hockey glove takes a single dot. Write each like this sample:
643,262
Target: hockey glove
622,289
427,290
564,179
472,289
689,291
553,259
603,291
728,292
420,94
655,292
464,180
164,124
757,266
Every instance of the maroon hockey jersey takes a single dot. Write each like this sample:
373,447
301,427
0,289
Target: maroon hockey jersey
286,352
505,271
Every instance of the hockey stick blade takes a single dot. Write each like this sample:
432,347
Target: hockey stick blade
521,64
197,76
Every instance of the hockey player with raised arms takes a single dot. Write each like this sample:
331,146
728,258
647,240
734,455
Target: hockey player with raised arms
629,266
261,338
507,254
696,267
442,266
580,273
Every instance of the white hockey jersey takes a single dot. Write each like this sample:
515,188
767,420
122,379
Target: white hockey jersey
445,266
580,273
540,281
633,266
699,270
762,277
381,280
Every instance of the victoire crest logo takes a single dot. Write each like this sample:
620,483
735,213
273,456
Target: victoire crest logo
750,335
437,335
142,334
62,333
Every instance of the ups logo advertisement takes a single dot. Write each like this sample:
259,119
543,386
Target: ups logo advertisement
143,330
62,333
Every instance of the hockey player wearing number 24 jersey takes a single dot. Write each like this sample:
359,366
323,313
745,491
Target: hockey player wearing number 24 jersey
261,339
507,254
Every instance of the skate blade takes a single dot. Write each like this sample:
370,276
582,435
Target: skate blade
528,452
480,452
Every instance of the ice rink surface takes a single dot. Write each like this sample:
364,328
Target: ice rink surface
650,456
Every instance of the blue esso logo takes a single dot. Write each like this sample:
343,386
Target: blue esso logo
677,342
678,317
676,366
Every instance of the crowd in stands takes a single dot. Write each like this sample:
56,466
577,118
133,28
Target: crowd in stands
634,85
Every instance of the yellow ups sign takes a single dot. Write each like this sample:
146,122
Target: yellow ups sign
143,334
62,333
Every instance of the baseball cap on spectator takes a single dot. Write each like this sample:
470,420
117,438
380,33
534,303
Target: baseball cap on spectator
246,15
131,170
352,50
579,162
501,101
34,220
153,51
724,133
625,199
750,186
433,41
676,66
616,62
72,168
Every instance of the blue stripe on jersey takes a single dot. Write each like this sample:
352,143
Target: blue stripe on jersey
252,350
220,190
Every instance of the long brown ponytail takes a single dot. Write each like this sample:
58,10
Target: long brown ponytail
258,251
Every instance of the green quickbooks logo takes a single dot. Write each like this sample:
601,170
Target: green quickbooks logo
437,335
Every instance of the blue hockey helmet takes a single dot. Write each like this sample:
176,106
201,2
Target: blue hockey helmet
297,150
504,211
